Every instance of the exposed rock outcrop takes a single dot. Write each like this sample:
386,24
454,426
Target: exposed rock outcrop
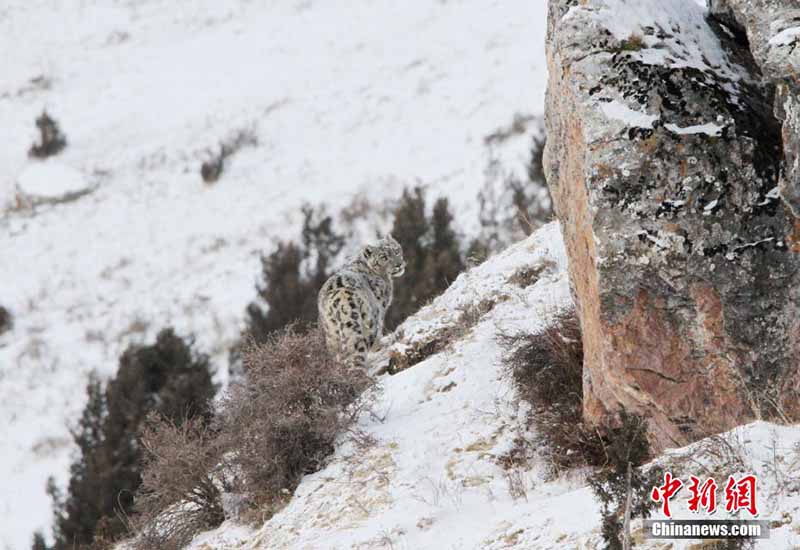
772,31
663,158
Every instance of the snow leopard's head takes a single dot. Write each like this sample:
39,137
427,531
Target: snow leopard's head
385,256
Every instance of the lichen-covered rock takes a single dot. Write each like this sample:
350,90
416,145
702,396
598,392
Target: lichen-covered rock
771,30
663,159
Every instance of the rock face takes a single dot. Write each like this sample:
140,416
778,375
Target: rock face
772,29
664,159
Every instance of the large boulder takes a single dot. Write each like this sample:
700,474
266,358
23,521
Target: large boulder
664,157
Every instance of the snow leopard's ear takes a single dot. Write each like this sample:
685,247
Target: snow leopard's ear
368,251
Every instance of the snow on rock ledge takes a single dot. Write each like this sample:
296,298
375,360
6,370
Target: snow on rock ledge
50,182
662,157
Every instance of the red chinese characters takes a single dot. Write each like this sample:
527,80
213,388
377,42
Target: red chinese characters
741,495
666,492
704,496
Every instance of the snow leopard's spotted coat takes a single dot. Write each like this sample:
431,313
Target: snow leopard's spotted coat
353,301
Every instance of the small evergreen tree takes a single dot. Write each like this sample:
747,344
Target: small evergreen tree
51,140
293,275
167,377
626,447
443,262
410,229
432,251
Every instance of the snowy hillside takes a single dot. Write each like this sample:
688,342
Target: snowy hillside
432,479
367,98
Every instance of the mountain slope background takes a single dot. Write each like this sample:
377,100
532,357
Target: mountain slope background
366,99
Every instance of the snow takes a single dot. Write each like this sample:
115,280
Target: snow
51,180
786,36
771,452
619,111
694,44
365,100
431,479
708,128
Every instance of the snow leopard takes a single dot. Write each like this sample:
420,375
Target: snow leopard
352,303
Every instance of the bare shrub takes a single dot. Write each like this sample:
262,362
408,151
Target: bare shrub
212,168
51,140
547,370
517,484
178,496
519,124
527,276
282,420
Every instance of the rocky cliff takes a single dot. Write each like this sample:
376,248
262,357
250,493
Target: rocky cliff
667,167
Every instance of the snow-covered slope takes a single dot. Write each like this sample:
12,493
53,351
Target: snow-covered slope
431,480
364,97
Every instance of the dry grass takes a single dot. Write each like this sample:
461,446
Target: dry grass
547,370
527,276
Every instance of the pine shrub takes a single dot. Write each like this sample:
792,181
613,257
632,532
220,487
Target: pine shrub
6,320
166,377
625,447
292,276
432,251
38,542
51,140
